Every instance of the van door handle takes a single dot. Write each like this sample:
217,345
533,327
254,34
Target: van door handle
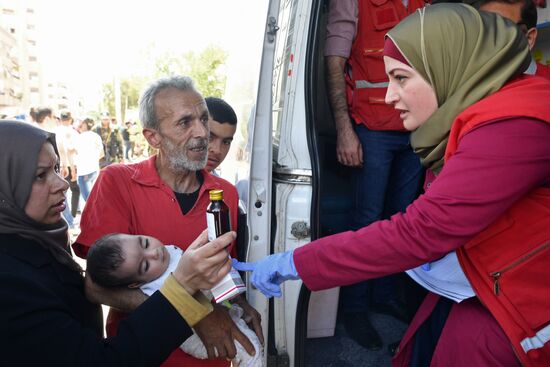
300,230
272,29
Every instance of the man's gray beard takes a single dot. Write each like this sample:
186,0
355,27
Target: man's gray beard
179,162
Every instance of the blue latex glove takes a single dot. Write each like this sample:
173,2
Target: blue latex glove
270,272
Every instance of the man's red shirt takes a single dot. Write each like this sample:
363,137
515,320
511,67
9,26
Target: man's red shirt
133,199
543,70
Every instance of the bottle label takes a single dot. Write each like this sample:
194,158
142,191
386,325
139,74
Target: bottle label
211,225
219,222
230,286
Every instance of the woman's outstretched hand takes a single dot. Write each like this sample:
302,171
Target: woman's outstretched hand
270,272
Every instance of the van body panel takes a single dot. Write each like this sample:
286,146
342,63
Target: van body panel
290,132
259,183
292,206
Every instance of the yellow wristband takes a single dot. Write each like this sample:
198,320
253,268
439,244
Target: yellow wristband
203,300
192,310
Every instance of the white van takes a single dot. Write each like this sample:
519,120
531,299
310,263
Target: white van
297,190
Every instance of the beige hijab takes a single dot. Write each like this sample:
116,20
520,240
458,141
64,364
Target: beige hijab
20,144
465,55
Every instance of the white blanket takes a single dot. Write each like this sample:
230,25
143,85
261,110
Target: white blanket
194,346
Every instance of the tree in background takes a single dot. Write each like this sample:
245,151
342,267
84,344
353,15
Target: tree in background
130,88
206,68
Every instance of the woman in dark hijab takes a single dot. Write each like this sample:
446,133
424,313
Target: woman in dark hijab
45,318
479,238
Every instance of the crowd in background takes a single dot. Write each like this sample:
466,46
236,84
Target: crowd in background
85,146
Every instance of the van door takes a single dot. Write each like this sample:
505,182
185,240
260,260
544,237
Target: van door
259,181
280,187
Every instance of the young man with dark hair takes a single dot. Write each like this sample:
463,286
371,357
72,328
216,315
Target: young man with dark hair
45,119
524,14
223,125
32,115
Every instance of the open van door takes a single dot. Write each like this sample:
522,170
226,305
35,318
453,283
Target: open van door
280,200
259,181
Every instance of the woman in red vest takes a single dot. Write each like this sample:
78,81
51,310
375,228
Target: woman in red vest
479,238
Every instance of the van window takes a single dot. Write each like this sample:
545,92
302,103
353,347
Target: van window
283,55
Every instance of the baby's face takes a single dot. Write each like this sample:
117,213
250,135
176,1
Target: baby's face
145,258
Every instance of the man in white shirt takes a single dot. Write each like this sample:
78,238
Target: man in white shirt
66,137
90,151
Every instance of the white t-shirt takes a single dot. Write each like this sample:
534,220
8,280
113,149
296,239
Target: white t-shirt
89,149
66,139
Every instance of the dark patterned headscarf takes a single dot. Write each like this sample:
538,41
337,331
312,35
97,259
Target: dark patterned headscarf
20,145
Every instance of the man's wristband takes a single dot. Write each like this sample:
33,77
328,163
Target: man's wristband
191,309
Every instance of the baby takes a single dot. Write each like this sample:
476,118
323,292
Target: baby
144,262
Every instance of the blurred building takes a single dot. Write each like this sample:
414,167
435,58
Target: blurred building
57,95
23,81
20,75
10,79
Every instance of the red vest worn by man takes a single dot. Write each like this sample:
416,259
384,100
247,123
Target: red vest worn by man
366,76
507,264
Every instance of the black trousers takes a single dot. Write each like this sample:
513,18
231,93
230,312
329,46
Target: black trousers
75,193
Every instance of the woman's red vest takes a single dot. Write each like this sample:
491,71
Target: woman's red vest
508,264
366,77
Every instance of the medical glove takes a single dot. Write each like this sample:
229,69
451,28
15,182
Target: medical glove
270,272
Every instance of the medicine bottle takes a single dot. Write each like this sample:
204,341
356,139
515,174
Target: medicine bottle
219,222
217,215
